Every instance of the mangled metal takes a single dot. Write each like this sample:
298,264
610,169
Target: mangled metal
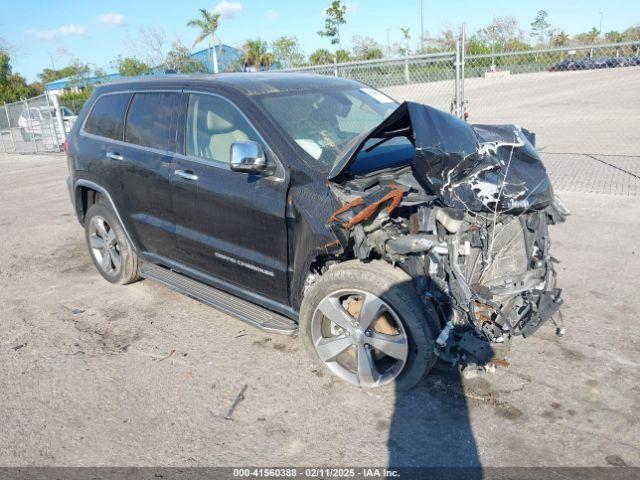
467,218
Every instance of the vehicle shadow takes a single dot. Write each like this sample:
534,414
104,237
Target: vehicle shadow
430,432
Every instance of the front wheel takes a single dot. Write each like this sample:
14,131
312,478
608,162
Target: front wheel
366,324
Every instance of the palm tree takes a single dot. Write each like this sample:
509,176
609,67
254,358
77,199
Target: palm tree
256,55
561,40
267,60
208,24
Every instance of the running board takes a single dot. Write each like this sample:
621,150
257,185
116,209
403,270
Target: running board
248,312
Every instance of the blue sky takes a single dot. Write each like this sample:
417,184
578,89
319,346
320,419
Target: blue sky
97,31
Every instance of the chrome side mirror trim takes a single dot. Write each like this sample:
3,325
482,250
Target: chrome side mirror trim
247,156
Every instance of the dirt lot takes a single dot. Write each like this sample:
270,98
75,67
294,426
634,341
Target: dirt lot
94,374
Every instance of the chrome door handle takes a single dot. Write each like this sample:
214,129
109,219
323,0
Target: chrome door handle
114,156
186,175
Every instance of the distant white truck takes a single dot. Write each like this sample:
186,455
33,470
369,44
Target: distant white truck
40,123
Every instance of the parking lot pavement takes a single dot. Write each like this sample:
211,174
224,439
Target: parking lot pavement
571,112
95,374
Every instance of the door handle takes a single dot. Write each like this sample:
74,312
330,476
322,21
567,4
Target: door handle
114,156
186,175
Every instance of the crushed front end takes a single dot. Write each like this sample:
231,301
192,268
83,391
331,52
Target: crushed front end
467,218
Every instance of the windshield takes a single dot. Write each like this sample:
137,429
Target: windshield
323,122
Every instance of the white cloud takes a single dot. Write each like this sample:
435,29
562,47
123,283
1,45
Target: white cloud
64,31
272,15
227,9
112,19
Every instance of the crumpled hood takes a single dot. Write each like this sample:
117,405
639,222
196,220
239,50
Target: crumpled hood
474,167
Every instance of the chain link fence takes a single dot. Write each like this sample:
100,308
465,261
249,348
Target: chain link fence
31,126
583,102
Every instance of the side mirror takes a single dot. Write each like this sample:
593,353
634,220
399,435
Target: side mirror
247,156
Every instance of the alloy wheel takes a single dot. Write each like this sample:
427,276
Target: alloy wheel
104,245
359,337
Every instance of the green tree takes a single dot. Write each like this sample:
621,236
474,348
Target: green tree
334,17
80,78
322,56
406,39
632,34
342,56
588,38
255,54
130,66
504,33
366,48
287,52
447,40
13,87
475,46
539,26
560,40
207,24
613,37
179,60
50,75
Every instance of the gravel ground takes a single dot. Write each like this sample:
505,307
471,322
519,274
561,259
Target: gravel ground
95,374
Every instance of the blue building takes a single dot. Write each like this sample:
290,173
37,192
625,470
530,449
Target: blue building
228,60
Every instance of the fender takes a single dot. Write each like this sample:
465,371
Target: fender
103,191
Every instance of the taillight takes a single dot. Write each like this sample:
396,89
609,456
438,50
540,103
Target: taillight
65,147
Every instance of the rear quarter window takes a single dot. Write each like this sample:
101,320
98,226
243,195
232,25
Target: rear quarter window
106,118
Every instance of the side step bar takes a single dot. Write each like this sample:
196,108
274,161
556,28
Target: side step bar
248,312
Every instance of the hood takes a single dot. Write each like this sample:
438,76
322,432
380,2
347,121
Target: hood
473,167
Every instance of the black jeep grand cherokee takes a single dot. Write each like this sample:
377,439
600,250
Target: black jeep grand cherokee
388,234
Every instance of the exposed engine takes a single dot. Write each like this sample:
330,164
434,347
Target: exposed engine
468,223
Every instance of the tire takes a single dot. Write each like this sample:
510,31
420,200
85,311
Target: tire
111,252
376,284
24,135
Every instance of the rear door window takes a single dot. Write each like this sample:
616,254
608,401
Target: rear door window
107,116
151,121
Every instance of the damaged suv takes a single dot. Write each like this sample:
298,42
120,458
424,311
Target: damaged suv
389,235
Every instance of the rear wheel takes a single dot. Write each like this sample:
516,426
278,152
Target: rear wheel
110,251
366,324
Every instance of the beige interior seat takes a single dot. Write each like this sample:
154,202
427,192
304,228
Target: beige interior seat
223,134
216,135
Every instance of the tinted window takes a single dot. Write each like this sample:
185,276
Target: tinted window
151,120
107,116
213,124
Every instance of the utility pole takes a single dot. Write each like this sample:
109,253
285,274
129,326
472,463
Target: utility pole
421,26
601,15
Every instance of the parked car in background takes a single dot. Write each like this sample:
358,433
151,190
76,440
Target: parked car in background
388,235
594,63
38,123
